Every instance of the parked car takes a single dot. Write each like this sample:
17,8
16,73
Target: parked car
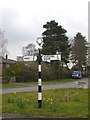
77,74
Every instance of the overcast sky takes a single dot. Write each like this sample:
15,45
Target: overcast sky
23,20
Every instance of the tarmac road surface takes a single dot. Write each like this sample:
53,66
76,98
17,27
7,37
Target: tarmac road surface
44,87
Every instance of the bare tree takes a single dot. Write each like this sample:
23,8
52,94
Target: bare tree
3,44
30,49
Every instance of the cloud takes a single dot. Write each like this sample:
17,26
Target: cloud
89,22
18,33
23,20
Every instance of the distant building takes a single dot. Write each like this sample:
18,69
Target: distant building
19,58
6,62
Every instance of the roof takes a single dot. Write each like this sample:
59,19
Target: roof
9,61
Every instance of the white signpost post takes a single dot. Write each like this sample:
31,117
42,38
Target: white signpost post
40,58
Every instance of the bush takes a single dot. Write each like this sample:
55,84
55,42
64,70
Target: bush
5,79
48,72
65,74
28,72
19,79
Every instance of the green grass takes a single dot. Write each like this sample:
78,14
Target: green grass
53,103
35,83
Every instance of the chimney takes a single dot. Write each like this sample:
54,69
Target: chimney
6,56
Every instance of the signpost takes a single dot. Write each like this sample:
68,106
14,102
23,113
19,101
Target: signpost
45,58
40,58
29,58
49,58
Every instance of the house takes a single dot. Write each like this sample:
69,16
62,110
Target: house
5,63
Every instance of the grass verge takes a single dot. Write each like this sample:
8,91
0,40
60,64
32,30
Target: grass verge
32,83
54,103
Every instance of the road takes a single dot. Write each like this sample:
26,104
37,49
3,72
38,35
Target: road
44,87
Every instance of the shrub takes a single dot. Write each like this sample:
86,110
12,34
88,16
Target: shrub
5,79
28,71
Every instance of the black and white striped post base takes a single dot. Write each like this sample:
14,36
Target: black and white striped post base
39,81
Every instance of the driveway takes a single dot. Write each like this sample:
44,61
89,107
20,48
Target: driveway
44,87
